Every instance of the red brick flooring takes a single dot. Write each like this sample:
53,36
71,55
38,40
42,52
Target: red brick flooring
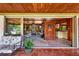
48,52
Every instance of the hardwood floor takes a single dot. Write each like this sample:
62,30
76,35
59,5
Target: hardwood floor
48,52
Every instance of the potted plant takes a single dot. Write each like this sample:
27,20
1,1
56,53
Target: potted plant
28,44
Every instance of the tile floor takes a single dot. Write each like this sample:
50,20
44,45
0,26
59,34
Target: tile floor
40,42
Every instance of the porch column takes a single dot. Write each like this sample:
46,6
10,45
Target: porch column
21,31
22,26
1,26
75,32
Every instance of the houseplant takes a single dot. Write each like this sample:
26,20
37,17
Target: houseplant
28,44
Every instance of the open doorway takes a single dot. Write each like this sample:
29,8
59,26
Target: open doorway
33,28
64,31
45,32
49,32
58,32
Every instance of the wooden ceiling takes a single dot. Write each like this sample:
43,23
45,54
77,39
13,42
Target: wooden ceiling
39,7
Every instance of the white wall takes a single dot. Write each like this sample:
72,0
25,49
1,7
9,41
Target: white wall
1,26
61,34
78,32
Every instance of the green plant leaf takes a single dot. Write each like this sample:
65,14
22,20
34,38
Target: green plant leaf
28,43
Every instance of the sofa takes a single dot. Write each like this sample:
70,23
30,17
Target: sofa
8,44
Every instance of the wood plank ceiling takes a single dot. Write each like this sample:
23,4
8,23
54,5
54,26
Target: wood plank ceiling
39,7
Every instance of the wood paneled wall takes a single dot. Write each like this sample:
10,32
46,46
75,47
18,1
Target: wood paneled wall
13,20
69,24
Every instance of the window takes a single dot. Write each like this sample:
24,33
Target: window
12,26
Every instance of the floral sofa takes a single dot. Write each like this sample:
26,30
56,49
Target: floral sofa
8,44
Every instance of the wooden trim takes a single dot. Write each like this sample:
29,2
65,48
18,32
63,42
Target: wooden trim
43,15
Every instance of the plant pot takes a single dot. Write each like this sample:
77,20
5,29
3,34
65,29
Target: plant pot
28,50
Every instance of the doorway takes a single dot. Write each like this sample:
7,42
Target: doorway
49,32
58,32
33,28
64,30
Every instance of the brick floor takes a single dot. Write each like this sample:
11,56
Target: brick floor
48,52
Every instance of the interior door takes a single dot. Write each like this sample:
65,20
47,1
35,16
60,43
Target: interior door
50,32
